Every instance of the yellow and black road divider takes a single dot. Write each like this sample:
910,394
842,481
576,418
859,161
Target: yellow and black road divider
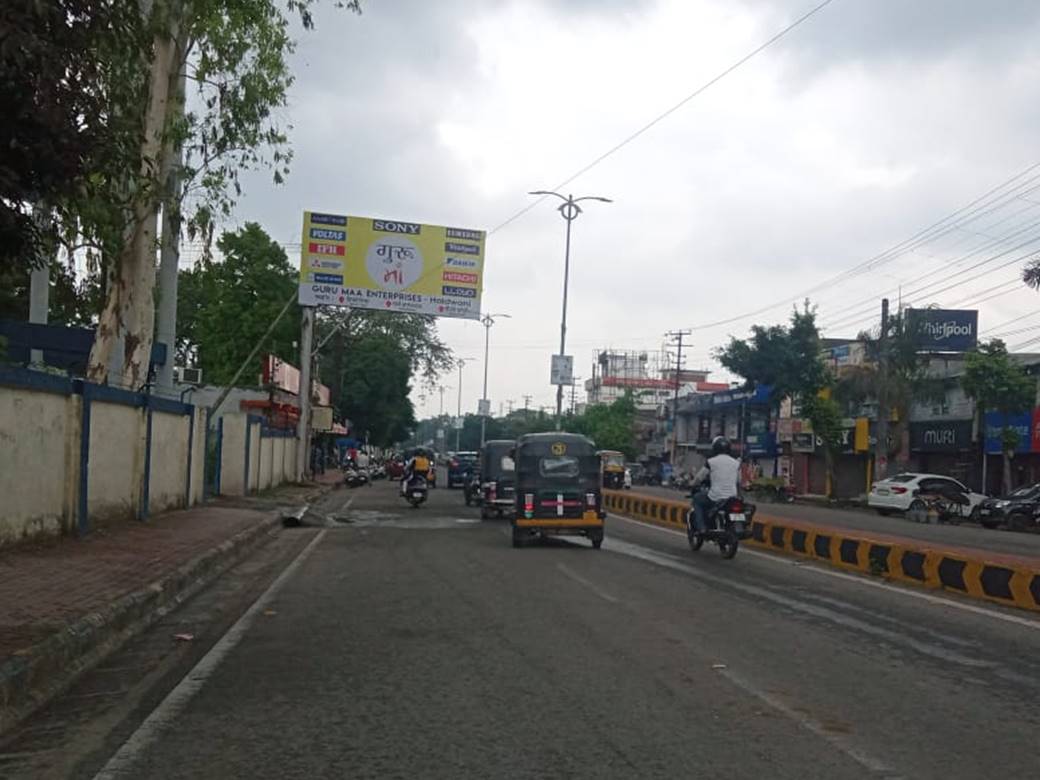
1010,580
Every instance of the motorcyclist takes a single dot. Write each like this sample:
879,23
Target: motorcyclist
722,470
418,464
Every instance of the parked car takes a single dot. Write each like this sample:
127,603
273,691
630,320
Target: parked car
902,493
461,465
1019,509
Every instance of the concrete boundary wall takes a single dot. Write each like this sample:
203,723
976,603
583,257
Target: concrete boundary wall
73,454
1010,580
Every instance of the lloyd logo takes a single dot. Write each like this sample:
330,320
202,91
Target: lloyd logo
941,331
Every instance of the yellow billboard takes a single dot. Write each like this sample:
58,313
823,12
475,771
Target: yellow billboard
391,265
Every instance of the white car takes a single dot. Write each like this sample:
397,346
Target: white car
899,493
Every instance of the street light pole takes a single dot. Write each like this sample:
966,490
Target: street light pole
487,321
569,210
458,416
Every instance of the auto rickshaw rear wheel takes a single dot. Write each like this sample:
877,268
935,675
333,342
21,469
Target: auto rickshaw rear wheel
596,539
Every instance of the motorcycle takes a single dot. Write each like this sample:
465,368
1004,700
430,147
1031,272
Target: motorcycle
728,522
415,491
471,490
353,477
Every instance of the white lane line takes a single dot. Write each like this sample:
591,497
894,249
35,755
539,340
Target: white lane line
808,565
842,743
590,585
122,763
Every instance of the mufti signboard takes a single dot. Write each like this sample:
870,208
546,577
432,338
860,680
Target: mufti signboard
390,265
944,330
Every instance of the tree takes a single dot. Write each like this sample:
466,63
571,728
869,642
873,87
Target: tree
224,308
789,360
235,54
907,381
610,426
998,385
56,126
375,389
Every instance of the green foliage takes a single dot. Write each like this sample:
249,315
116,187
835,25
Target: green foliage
224,308
375,389
786,358
71,301
56,127
907,379
997,384
610,426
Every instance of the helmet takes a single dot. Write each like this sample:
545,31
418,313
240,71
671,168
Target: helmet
720,445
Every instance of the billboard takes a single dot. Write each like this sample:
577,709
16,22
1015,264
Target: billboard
391,265
944,330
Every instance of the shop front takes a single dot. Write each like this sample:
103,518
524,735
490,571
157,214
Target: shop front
944,447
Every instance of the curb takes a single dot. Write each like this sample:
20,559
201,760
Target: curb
979,574
29,681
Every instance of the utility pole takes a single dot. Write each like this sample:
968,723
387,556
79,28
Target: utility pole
303,425
40,286
458,418
677,336
881,429
574,395
527,404
487,321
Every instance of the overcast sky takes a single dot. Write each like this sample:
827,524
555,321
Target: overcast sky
866,124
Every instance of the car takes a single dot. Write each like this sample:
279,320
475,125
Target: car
1019,509
459,468
901,493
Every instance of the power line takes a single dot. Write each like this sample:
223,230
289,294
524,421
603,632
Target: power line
921,237
633,136
1011,321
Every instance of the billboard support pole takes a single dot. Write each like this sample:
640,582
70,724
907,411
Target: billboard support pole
303,425
881,431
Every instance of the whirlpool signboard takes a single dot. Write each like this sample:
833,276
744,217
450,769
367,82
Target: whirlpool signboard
944,330
395,266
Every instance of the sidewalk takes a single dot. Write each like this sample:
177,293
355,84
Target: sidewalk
67,602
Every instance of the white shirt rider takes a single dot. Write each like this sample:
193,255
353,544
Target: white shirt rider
724,472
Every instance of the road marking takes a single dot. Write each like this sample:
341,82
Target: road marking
121,764
842,743
804,565
590,585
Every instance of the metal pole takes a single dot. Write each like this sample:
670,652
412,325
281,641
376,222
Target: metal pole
678,335
488,322
303,424
881,429
458,416
569,213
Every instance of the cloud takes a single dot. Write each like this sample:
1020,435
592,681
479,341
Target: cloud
867,123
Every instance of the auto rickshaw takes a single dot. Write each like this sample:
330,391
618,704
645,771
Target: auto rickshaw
557,488
497,478
613,469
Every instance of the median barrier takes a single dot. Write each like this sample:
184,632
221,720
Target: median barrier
1004,579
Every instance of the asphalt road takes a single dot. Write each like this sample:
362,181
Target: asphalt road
963,535
409,644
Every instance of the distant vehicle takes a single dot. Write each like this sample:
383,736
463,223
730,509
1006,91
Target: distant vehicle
460,467
638,473
395,468
627,483
903,493
1019,510
497,479
613,468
